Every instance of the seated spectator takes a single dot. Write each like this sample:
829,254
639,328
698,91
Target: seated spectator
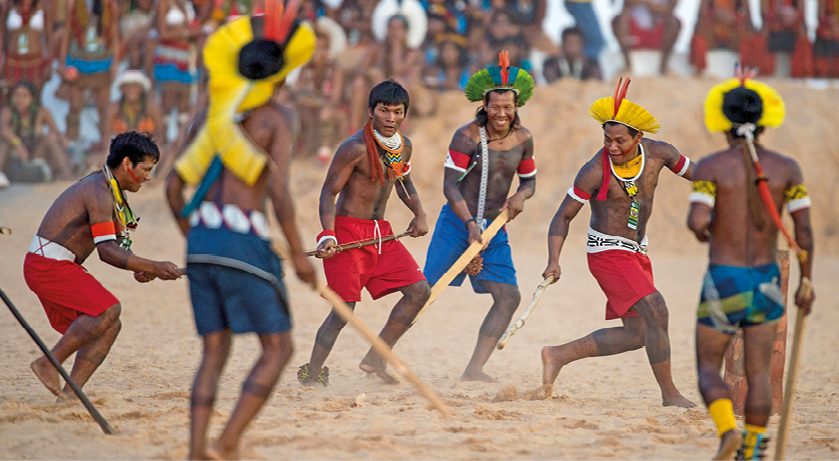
826,47
31,147
722,24
139,34
649,25
450,69
527,16
783,31
25,34
586,19
572,63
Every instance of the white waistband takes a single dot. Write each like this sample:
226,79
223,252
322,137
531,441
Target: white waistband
48,249
597,242
231,216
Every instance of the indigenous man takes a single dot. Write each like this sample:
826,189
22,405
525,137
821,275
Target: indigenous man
240,154
623,175
484,156
742,286
364,171
92,213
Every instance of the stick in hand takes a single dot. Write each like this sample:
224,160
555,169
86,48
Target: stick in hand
520,322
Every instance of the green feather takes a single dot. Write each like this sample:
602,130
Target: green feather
524,84
476,85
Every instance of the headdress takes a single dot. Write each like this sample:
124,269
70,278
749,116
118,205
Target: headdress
500,77
133,76
771,114
411,10
618,109
245,58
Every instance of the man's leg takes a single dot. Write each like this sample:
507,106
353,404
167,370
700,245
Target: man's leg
603,342
216,350
653,311
85,330
671,33
89,358
710,351
757,351
276,350
325,339
414,297
620,27
505,301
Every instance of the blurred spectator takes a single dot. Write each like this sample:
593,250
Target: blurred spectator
572,63
175,60
87,62
826,47
783,31
527,16
721,24
450,69
318,93
647,24
139,34
500,31
25,35
57,11
586,19
31,147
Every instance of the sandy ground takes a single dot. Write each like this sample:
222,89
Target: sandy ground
601,408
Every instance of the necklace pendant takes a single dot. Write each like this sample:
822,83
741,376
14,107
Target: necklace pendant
634,212
631,188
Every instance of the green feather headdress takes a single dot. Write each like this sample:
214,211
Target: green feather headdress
501,77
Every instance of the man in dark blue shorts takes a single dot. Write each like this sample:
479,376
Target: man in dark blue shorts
742,286
240,154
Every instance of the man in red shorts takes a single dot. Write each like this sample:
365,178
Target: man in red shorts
364,171
623,176
92,213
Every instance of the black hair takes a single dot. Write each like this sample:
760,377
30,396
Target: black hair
260,59
632,131
401,18
571,31
136,146
389,93
482,117
742,105
462,54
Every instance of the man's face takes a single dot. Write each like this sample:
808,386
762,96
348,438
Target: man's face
142,172
396,30
501,109
387,119
619,143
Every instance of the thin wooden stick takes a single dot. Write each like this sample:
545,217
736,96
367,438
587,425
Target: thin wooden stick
464,259
362,243
792,374
5,230
380,346
524,315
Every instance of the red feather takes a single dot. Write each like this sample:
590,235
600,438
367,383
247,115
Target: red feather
620,94
278,20
504,62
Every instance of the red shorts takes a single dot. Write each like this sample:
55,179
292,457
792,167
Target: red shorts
646,39
65,289
625,277
382,274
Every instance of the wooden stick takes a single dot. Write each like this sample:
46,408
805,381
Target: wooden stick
106,428
5,230
464,259
380,346
520,322
792,374
363,243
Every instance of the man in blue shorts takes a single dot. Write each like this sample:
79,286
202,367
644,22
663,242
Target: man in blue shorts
742,286
484,156
237,156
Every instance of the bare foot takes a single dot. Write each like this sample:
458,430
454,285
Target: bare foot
729,443
374,364
552,361
217,454
477,376
47,373
677,401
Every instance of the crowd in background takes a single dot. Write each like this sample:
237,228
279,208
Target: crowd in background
150,52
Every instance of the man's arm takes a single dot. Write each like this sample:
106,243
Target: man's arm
799,207
406,192
585,184
702,200
340,170
457,163
527,181
175,184
676,162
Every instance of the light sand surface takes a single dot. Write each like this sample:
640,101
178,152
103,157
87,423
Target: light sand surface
601,408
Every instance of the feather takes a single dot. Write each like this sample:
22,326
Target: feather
637,117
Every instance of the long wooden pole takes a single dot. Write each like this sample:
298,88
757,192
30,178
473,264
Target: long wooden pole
363,243
792,374
464,259
380,346
524,315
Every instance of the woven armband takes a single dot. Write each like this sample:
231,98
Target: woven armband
327,234
704,192
681,167
796,198
103,232
577,194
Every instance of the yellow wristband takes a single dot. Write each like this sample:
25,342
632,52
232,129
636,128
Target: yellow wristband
16,141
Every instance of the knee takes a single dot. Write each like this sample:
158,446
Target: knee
111,315
420,292
116,327
511,298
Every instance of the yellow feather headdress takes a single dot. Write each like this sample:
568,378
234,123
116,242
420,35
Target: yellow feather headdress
620,110
244,68
773,106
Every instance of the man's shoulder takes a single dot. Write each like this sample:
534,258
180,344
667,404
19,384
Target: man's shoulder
657,148
523,134
353,146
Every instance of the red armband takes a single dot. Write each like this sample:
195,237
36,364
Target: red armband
577,194
457,160
527,168
681,166
327,234
103,231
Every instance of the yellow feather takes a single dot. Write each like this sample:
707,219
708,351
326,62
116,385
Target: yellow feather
602,110
774,109
629,114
